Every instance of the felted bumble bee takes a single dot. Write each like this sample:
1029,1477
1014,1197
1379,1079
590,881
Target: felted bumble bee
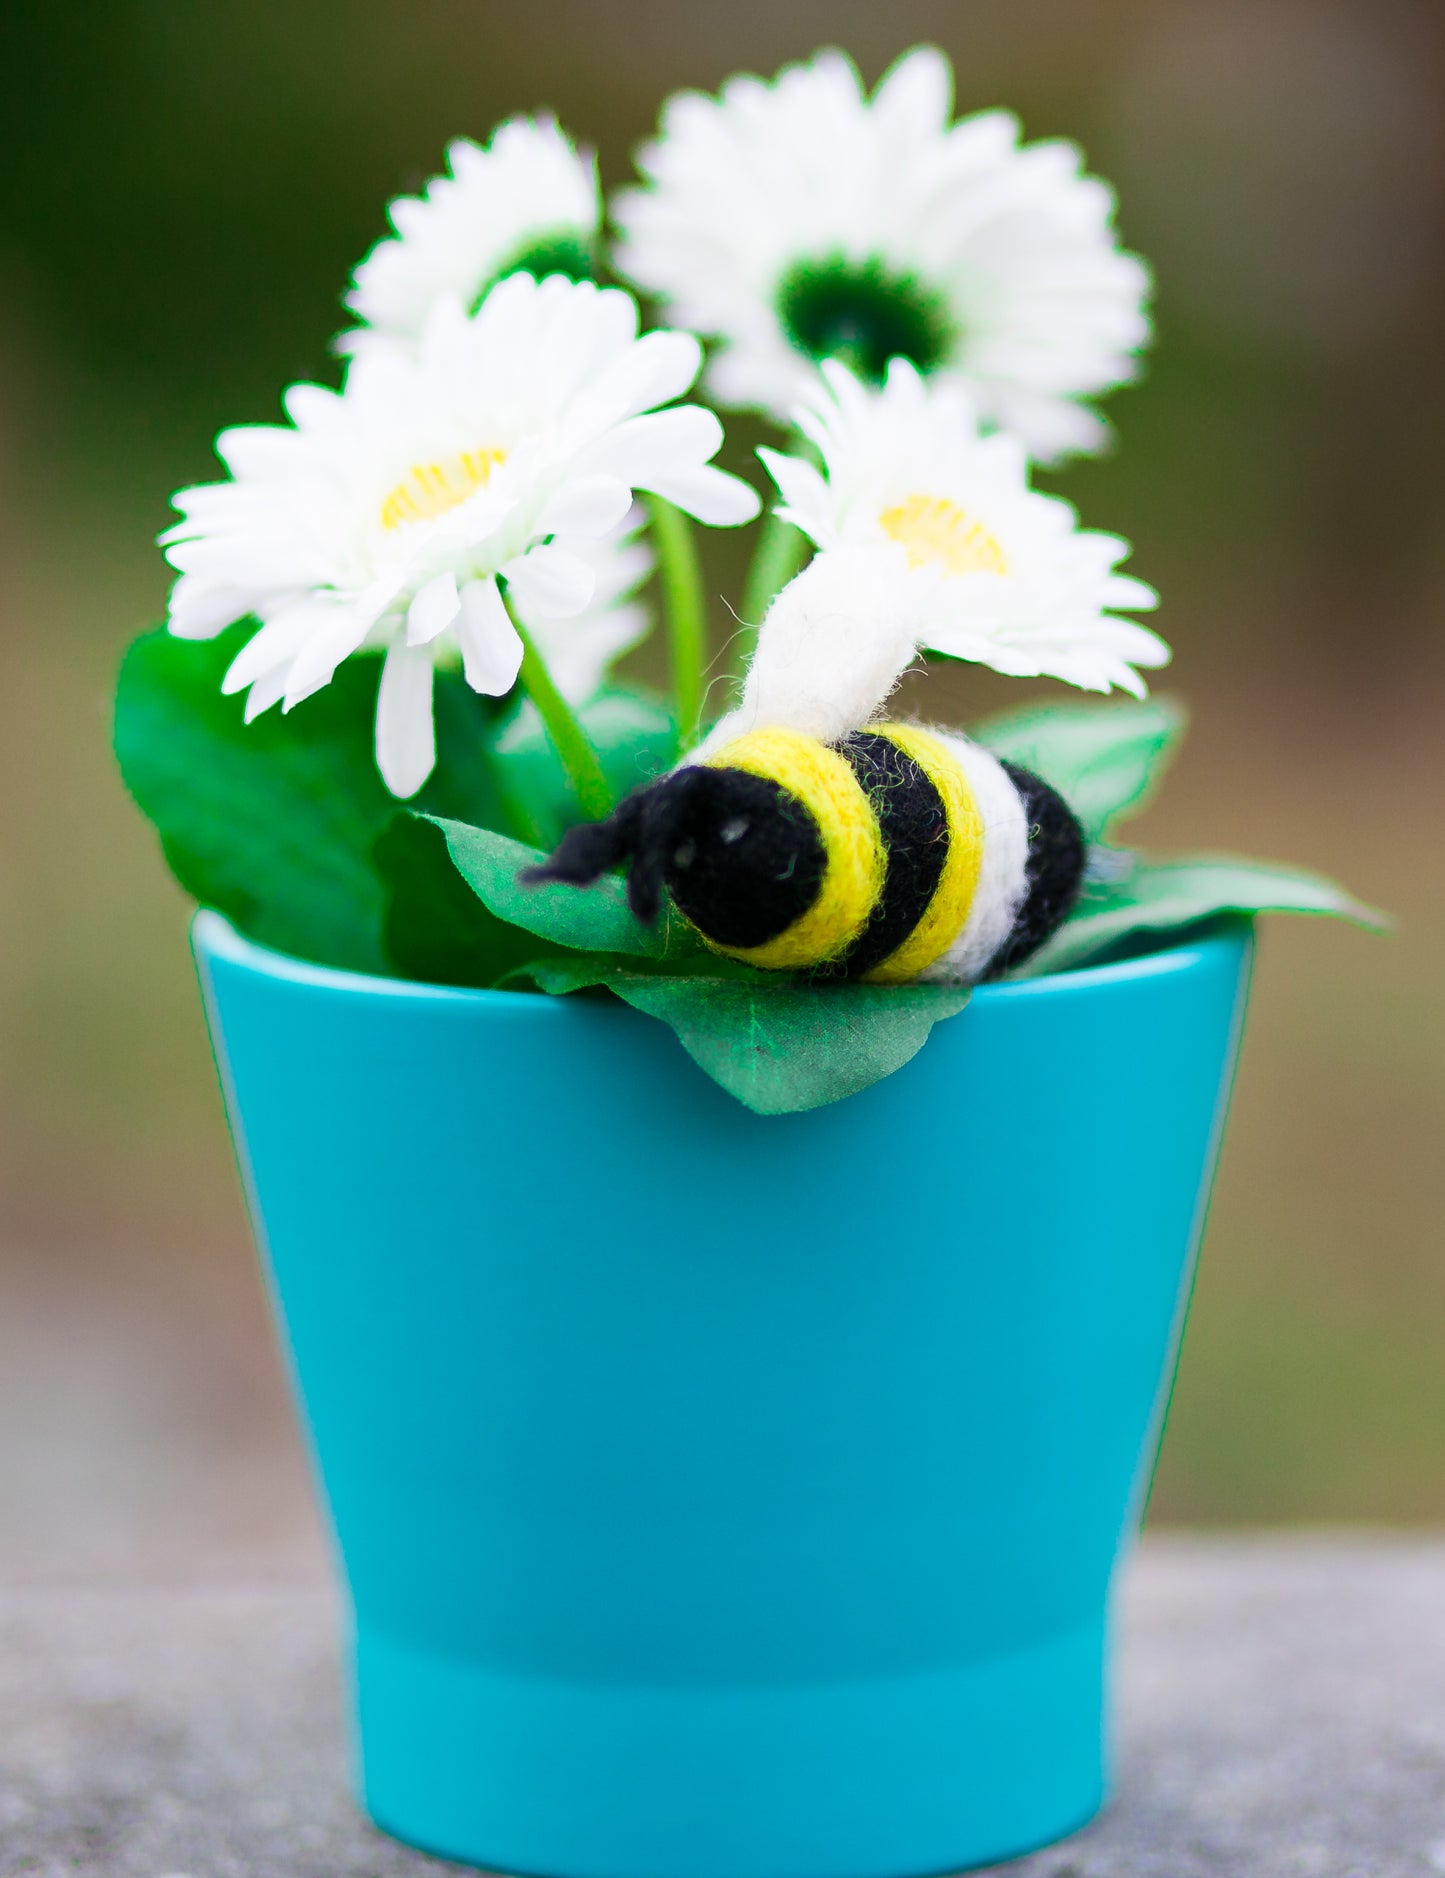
802,836
895,853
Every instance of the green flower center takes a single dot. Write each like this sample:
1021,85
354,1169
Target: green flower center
563,251
864,314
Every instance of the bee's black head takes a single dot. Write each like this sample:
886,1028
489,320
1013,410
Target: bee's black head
740,856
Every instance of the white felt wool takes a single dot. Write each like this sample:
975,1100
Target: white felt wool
834,644
1002,879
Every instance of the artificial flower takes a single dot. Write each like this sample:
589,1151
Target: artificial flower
800,220
384,515
947,548
527,202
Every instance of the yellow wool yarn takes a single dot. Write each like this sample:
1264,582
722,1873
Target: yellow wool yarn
825,784
953,896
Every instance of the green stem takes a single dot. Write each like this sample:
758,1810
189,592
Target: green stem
569,740
780,552
686,615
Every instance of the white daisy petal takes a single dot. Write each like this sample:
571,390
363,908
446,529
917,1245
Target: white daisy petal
269,689
587,505
315,664
709,495
658,368
916,95
798,220
491,646
257,449
406,750
1124,590
667,452
276,644
1053,427
201,608
433,609
313,407
658,442
233,560
806,499
550,580
1140,646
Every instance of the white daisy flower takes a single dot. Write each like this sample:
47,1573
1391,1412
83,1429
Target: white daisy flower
800,220
947,545
527,202
384,515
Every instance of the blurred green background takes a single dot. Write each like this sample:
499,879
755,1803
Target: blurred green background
188,188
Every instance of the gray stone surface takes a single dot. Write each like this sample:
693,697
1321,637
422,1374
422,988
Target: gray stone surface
1282,1716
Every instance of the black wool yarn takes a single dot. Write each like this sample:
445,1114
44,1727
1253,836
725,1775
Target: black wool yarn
1054,870
744,858
914,825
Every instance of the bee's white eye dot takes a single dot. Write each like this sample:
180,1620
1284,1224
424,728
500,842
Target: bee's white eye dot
685,855
733,830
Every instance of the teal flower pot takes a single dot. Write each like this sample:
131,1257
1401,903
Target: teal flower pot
718,1496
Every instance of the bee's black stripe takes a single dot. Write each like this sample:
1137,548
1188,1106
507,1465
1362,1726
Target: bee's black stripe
914,825
1054,869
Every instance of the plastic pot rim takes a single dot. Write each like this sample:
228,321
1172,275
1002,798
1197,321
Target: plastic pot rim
214,934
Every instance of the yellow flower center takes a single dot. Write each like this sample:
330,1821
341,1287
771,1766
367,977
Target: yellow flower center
430,489
938,532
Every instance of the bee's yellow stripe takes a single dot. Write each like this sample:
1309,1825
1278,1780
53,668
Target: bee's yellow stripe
826,786
953,896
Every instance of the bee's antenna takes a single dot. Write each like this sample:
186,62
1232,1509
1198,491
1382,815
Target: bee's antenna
639,833
592,849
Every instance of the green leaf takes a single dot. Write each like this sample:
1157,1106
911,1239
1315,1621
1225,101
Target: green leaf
777,1046
632,732
1168,896
584,919
274,823
1104,759
434,927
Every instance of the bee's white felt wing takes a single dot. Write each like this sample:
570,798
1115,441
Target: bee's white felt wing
835,643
